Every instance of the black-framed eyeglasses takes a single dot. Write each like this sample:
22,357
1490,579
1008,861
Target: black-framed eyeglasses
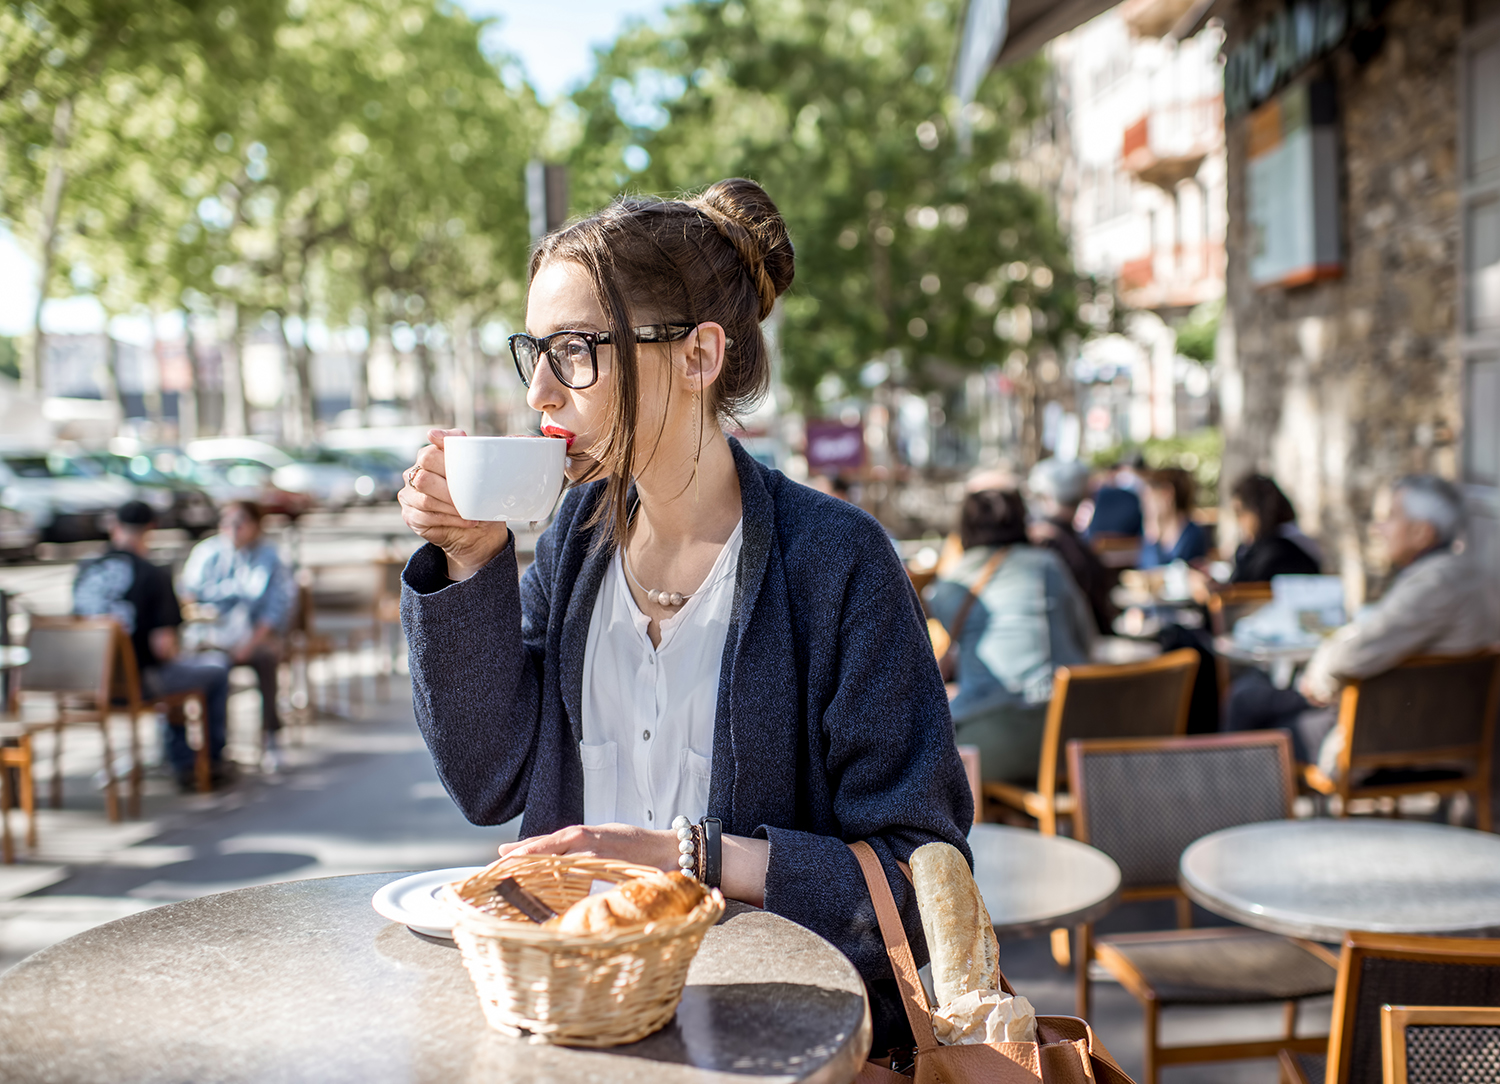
574,356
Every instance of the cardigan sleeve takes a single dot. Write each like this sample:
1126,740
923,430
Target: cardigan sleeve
896,777
476,658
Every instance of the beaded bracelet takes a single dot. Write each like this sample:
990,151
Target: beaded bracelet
689,846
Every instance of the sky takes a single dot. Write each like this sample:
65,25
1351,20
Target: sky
554,41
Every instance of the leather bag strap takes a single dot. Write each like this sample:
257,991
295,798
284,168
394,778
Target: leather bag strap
985,575
893,932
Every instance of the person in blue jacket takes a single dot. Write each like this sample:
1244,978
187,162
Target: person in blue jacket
697,635
1171,534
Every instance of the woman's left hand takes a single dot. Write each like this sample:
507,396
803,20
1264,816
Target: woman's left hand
624,842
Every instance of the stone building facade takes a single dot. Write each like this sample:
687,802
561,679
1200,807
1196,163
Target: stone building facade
1342,384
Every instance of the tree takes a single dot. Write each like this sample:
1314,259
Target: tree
909,250
66,68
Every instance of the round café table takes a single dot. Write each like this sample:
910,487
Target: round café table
1280,661
303,981
1321,878
1033,883
12,657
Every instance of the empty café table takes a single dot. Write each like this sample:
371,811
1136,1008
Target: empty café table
303,981
1321,878
1032,883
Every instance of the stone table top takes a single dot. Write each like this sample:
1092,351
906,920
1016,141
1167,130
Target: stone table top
303,981
1321,878
1032,883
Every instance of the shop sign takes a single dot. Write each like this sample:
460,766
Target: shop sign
834,446
1285,43
1291,188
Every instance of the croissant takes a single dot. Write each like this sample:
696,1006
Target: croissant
636,902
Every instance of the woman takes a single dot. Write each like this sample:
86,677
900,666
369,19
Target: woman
1027,618
1171,534
1272,545
697,634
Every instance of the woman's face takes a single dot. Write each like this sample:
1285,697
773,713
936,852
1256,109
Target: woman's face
562,298
1248,521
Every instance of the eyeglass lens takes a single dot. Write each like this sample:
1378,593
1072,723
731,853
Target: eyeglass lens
571,358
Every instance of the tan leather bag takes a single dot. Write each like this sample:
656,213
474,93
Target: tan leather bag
1066,1051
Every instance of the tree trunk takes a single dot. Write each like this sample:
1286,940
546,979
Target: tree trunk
51,211
291,390
151,382
465,393
231,351
189,406
426,401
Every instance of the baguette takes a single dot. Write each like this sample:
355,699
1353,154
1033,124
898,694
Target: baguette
636,902
961,939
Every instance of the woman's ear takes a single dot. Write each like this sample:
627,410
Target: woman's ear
703,355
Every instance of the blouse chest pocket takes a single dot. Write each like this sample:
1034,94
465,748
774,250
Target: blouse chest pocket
693,789
601,781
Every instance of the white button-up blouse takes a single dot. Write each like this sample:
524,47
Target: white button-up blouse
648,711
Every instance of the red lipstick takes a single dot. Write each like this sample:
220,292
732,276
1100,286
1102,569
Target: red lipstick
559,431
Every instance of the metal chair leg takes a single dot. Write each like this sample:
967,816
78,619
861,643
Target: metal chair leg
7,799
111,794
57,744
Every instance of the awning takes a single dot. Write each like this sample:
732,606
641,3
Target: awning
1033,23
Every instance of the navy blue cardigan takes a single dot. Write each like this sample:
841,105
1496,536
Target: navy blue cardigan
832,723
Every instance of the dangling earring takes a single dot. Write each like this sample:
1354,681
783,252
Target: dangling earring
698,440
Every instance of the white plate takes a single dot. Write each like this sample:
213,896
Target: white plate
413,901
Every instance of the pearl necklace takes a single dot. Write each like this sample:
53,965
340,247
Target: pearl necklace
661,598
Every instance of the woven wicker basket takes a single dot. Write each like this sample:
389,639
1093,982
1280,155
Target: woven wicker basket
572,990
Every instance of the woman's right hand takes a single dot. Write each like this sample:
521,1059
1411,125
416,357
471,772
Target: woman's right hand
427,508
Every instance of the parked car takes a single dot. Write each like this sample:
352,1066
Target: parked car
326,482
66,500
380,472
178,501
19,534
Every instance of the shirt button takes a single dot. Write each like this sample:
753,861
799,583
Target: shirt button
651,816
645,735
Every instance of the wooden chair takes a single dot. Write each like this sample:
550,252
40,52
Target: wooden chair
1402,969
1117,551
303,645
1226,607
1142,801
174,706
16,756
1406,730
1431,1044
74,660
1137,700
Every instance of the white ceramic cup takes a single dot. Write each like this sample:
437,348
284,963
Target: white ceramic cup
504,478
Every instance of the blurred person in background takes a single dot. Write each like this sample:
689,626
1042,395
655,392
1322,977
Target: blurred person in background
1116,505
1271,543
1059,488
238,574
1028,618
1439,603
1170,532
124,585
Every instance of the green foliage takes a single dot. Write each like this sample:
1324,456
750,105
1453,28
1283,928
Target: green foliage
10,358
1196,334
1201,451
907,247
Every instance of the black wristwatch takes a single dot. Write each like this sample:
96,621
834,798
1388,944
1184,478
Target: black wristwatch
713,851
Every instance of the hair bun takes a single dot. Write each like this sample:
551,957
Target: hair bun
749,220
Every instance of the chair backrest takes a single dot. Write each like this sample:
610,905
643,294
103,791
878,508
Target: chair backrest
1142,801
1147,699
1383,969
71,656
1433,707
1429,1044
1228,605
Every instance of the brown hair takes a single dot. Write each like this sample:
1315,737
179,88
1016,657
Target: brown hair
253,511
992,517
722,256
1180,482
1263,498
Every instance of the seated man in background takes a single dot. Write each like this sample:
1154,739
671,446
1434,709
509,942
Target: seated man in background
1439,603
239,573
138,594
1059,488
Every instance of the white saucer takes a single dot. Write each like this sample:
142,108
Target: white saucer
413,901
